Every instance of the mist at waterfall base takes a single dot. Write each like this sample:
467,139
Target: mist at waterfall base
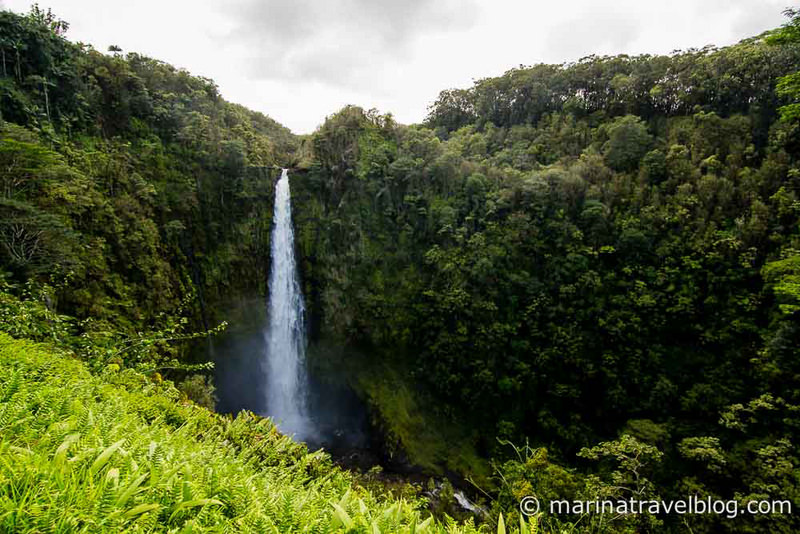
266,372
337,416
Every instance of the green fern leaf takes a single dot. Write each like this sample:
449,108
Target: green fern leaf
105,456
141,509
342,517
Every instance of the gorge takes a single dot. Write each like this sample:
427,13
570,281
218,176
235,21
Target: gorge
570,280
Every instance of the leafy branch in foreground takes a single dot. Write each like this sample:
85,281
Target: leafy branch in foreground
27,311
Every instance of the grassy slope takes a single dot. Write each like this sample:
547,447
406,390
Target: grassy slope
120,453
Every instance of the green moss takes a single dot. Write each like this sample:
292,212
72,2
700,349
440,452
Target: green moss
414,430
429,440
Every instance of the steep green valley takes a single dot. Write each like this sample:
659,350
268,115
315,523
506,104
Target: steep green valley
570,282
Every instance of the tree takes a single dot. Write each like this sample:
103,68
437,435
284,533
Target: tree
48,19
453,109
789,85
628,141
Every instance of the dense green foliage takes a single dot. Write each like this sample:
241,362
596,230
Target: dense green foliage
121,453
600,260
134,182
604,251
136,205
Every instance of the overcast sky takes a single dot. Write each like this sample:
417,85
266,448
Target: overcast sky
300,60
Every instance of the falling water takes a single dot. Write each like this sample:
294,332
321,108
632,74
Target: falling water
286,395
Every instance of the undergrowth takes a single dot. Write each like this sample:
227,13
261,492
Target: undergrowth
118,452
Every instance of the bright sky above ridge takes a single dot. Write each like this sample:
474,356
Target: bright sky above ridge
300,60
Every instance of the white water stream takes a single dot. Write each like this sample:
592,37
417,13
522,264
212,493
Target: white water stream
283,363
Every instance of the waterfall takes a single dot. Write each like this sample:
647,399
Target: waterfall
283,365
